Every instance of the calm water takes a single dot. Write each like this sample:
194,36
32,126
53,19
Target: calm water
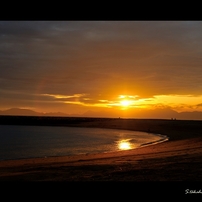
17,142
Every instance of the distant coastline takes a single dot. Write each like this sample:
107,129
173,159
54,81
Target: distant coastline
164,113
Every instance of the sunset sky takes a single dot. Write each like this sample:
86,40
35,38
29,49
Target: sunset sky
101,66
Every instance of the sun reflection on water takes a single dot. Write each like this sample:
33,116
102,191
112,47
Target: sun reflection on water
124,144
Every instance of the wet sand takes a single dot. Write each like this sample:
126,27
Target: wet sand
178,159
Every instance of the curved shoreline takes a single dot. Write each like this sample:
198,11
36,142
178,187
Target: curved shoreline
164,138
137,139
161,139
179,159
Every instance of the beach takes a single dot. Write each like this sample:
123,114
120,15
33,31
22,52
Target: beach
177,159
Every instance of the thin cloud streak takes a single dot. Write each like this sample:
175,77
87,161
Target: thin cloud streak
64,96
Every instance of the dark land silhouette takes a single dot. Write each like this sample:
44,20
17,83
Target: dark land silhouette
164,113
178,159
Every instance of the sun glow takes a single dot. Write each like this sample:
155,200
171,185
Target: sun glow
125,103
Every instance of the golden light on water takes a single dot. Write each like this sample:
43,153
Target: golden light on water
124,145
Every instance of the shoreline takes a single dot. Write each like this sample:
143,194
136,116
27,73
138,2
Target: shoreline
178,159
161,138
87,154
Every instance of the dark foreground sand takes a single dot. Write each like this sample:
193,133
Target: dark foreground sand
178,159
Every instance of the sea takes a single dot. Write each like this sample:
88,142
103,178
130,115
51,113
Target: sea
21,142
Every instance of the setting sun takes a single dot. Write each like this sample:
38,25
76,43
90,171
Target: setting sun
125,103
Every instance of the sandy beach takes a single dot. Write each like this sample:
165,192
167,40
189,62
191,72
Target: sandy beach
177,159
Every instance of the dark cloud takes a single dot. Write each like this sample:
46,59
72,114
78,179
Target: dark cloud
98,57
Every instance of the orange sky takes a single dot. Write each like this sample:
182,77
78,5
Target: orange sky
108,67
